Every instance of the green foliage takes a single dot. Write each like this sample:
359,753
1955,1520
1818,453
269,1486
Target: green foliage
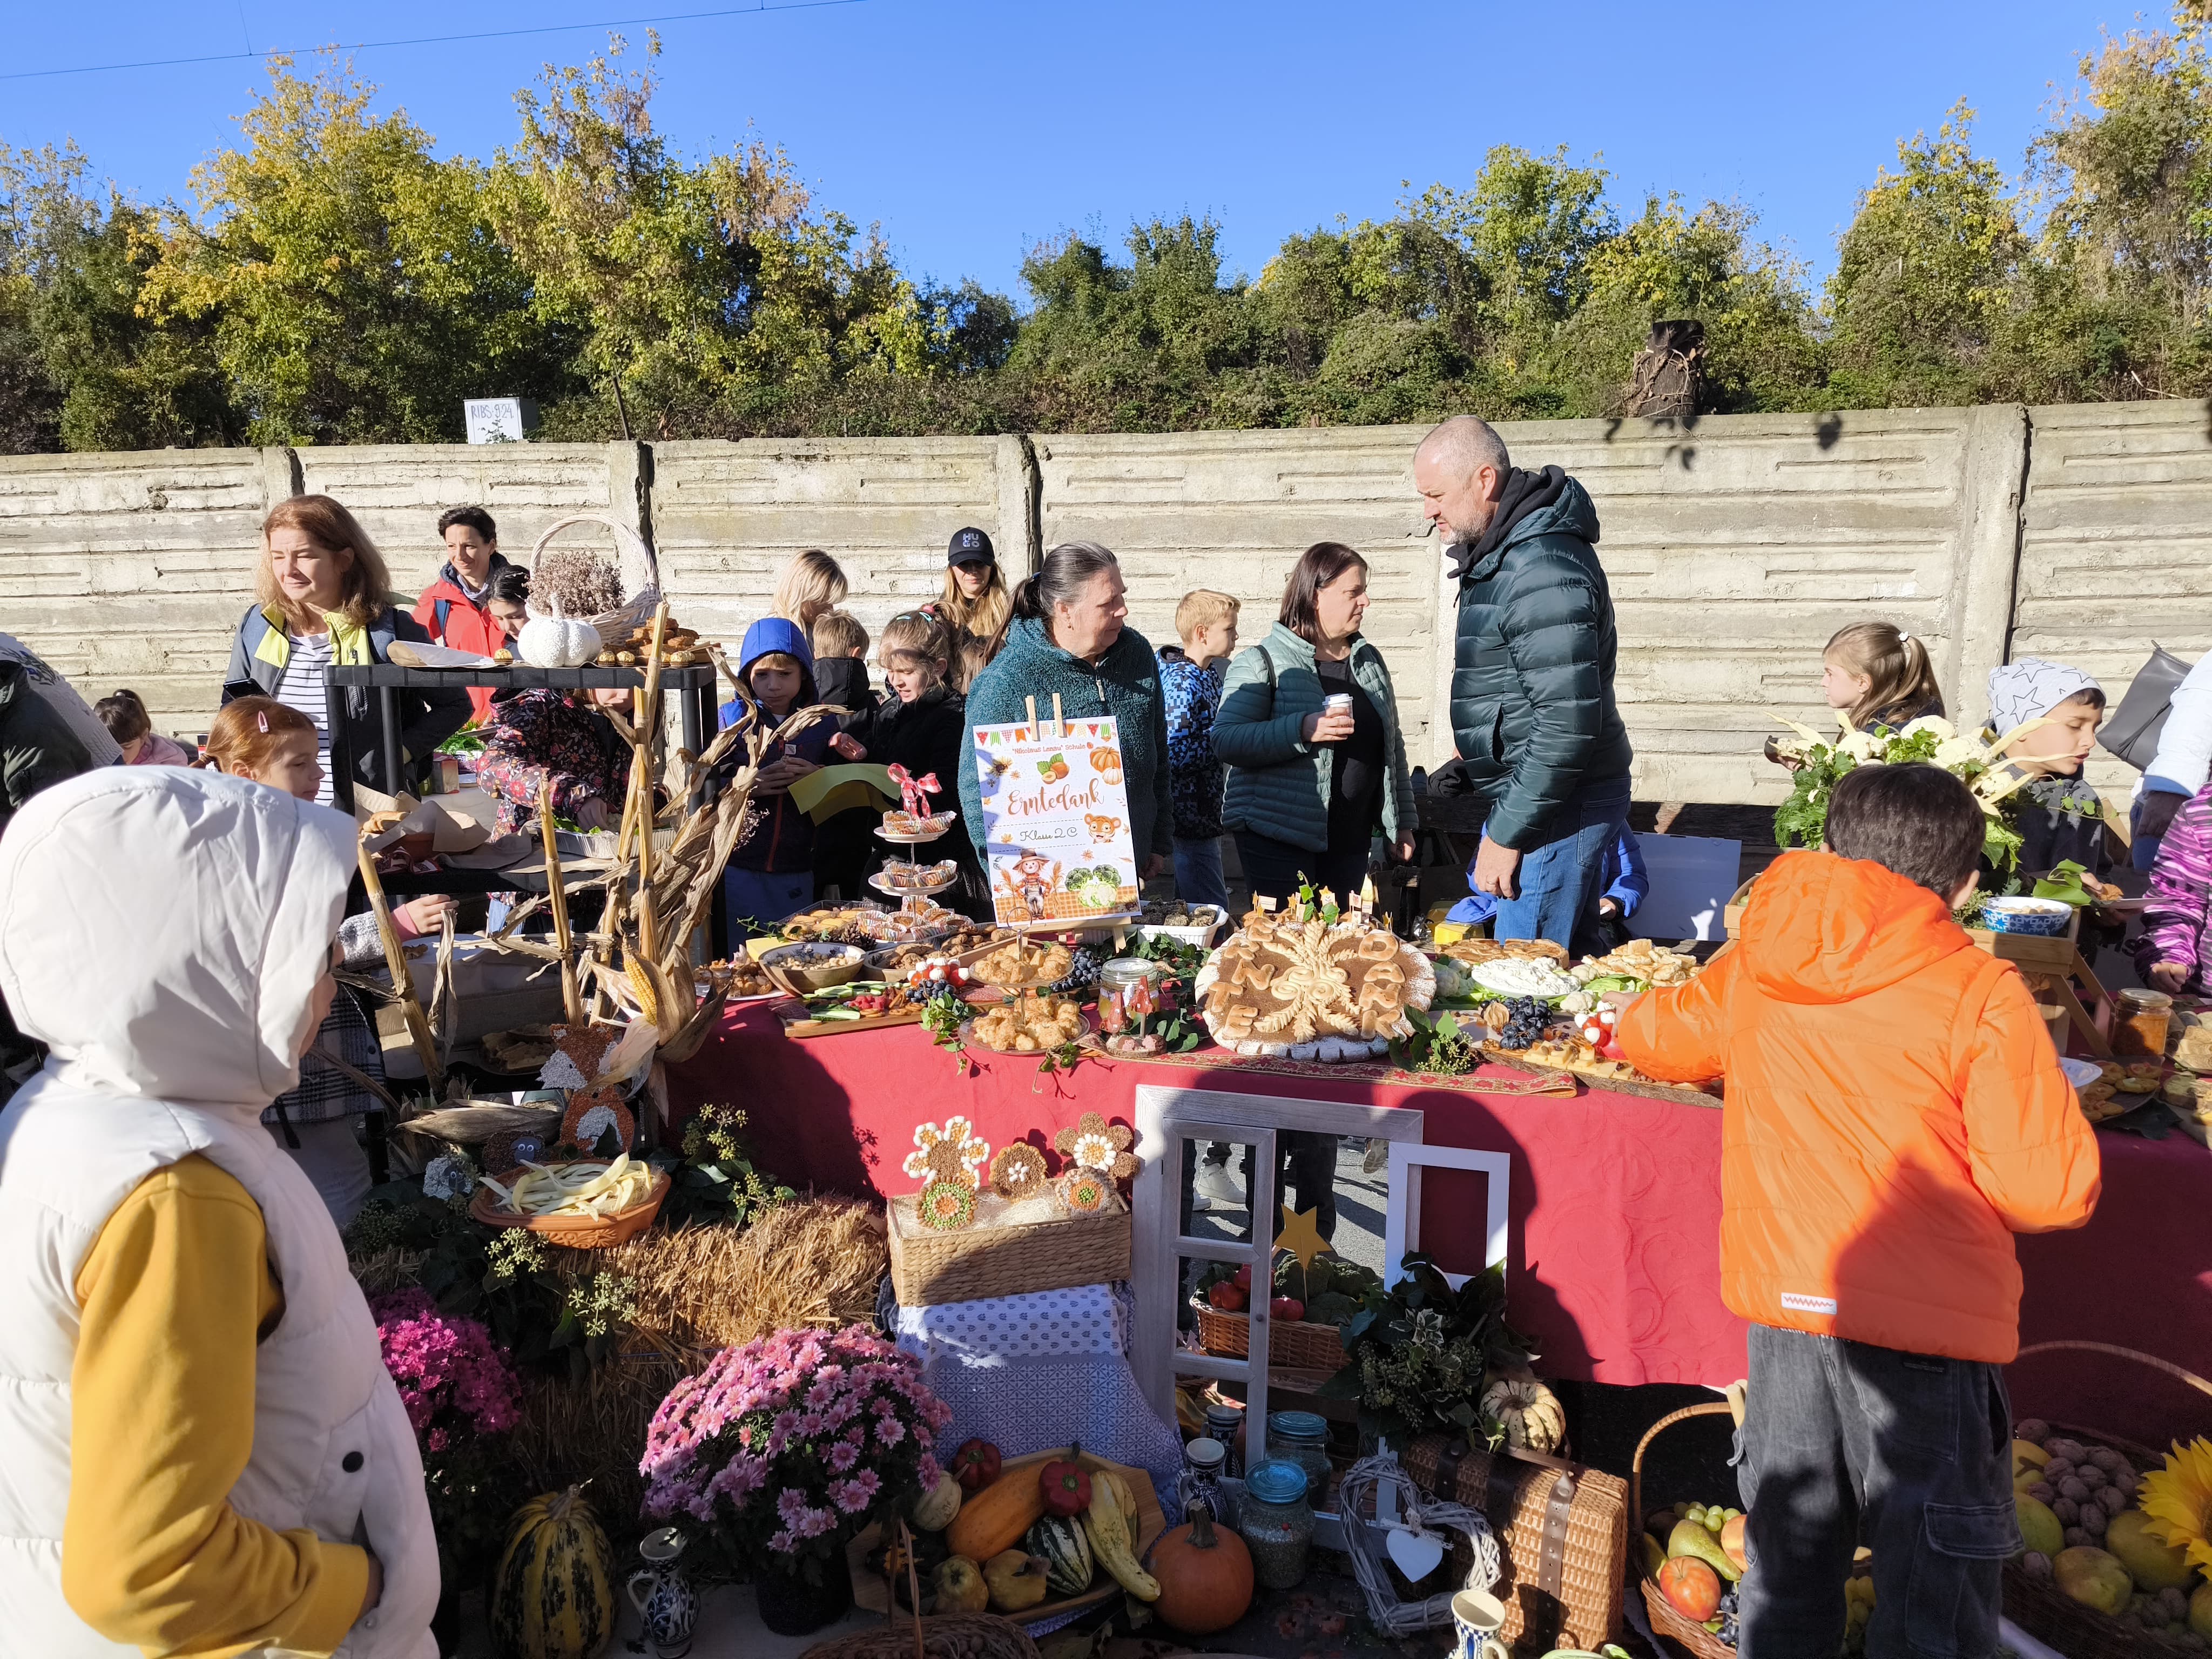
1418,1354
337,282
716,1180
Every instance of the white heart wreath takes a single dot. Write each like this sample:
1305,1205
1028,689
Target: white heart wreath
1376,1485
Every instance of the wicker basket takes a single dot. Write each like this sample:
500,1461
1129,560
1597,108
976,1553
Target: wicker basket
1665,1621
943,1636
973,1264
1298,1343
640,574
2037,1606
1562,1528
577,1232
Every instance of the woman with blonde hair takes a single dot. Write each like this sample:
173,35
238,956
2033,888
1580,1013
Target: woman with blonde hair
811,585
323,599
976,603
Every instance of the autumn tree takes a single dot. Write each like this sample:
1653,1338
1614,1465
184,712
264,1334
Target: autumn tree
356,287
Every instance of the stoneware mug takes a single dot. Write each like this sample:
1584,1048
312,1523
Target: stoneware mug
662,1595
1479,1616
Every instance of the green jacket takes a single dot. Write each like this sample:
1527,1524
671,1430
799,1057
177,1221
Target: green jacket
1532,707
37,748
1125,683
1279,783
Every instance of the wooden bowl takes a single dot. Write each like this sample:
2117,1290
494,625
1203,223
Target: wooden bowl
577,1232
807,965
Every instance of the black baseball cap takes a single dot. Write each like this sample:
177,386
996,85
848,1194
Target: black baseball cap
970,546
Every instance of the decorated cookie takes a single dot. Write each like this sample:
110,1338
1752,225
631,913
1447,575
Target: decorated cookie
1095,1144
951,1153
1017,1171
1085,1191
947,1204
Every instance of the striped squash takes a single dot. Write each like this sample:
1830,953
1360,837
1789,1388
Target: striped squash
1059,1541
553,1596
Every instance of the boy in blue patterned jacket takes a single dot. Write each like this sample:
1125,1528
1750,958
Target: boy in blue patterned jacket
1190,676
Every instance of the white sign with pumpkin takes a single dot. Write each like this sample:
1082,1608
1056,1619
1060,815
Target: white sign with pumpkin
1055,821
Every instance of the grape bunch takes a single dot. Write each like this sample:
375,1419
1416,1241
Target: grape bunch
1525,1020
1725,1624
1082,974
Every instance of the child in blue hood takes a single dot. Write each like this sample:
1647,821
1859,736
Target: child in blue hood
771,874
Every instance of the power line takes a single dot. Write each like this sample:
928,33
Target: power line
431,39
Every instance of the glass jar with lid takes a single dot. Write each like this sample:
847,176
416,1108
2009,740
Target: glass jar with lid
2140,1019
1302,1437
1127,992
1277,1524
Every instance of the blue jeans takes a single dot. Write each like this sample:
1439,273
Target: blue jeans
758,895
1844,1443
1198,871
1558,884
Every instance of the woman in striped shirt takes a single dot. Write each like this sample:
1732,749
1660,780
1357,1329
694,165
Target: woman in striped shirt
323,599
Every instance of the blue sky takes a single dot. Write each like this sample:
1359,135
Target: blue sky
973,128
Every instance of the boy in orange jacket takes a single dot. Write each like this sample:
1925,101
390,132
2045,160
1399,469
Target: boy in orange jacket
1895,1113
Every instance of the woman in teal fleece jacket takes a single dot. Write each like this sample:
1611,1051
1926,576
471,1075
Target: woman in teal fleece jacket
1307,789
1069,636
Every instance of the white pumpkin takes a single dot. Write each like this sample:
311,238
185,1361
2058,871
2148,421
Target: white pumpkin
556,641
1529,1411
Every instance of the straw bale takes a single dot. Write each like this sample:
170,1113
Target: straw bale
699,1289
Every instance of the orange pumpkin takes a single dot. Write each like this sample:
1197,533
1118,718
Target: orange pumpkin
1204,1574
1107,764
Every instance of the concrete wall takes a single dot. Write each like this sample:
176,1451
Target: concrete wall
2116,548
1736,545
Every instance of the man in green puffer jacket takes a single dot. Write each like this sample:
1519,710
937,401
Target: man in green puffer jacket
1532,703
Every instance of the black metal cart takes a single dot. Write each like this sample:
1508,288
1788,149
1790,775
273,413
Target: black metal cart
693,688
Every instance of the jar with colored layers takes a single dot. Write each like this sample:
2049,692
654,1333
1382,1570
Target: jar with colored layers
1128,990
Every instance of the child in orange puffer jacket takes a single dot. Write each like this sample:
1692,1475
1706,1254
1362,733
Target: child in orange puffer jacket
1895,1113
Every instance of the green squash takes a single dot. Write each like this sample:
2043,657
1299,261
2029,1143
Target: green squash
553,1595
1059,1541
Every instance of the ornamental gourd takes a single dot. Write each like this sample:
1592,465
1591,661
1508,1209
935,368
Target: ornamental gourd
934,1510
1529,1412
992,1521
553,1595
556,641
1061,1543
1204,1574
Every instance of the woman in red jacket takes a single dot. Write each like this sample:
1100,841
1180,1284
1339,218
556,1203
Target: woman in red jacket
456,609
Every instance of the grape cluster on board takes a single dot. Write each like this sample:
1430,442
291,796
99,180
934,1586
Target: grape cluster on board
1525,1020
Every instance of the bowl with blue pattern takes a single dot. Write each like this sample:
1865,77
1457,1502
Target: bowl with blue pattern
2047,917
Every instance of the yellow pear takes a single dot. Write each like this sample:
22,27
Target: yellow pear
2092,1578
2039,1526
2200,1611
2152,1562
1693,1538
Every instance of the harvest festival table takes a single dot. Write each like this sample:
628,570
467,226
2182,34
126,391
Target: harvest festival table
1614,1204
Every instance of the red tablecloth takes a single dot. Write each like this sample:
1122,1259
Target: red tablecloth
1614,1206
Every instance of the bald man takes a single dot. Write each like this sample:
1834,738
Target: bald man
1532,707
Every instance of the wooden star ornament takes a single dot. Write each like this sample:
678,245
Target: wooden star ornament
1301,1236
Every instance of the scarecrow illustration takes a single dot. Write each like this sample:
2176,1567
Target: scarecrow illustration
1033,877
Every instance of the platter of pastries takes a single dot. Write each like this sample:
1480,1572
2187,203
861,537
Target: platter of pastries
1295,984
1029,1024
1475,951
1022,963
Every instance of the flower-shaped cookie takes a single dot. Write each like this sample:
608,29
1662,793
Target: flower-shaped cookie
947,1204
951,1153
1095,1144
1017,1171
1085,1191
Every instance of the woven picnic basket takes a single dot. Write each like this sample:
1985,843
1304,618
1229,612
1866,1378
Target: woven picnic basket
1665,1621
576,1232
2036,1605
940,1636
634,557
1300,1344
1561,1528
973,1264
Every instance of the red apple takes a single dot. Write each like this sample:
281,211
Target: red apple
1286,1307
1692,1587
1244,1277
1225,1296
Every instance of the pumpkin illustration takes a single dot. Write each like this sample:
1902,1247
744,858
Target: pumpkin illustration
1107,764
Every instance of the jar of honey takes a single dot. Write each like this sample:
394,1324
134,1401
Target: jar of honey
2140,1019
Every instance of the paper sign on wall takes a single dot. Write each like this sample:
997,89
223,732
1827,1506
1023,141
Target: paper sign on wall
1057,822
